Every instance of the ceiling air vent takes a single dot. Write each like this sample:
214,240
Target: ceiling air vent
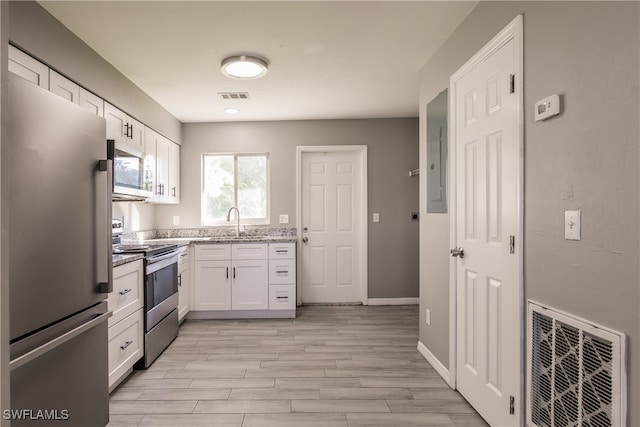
576,374
234,95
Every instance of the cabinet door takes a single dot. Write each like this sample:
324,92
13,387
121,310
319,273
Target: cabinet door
136,133
162,168
28,68
127,295
212,285
116,123
250,288
150,139
174,173
62,86
184,290
126,341
91,102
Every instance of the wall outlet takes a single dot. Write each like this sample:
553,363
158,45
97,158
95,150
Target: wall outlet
427,317
284,219
376,217
176,220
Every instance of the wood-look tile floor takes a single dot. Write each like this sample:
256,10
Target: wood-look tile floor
332,366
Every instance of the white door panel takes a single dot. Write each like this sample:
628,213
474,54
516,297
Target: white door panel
486,160
332,215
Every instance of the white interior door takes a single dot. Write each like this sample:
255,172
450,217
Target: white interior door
332,224
485,108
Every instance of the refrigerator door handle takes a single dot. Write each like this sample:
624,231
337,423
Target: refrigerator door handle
103,226
39,351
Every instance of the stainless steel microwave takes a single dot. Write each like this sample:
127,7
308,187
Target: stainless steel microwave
132,179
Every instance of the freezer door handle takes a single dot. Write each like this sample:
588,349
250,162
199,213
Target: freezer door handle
103,227
58,341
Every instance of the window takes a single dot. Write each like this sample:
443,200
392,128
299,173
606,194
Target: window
240,180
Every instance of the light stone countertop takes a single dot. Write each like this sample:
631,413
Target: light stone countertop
120,259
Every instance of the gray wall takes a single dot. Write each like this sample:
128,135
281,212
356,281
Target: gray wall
392,152
34,30
587,158
4,240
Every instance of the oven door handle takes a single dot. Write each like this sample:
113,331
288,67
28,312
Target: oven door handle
161,261
153,260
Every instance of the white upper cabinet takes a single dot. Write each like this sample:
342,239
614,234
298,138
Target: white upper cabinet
123,128
62,86
91,102
27,67
166,154
174,173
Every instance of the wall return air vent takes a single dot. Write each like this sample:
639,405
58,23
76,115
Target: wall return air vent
576,372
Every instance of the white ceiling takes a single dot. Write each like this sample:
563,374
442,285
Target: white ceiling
328,59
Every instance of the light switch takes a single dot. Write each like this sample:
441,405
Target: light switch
572,225
176,220
284,219
376,217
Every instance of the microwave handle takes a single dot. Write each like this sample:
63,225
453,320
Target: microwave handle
104,189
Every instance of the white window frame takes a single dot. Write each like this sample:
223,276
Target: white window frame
243,221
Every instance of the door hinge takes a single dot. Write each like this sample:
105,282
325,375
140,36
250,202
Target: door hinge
512,405
512,83
512,244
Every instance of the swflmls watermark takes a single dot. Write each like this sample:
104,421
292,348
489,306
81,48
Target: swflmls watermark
36,414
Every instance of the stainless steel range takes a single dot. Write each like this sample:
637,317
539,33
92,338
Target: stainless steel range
160,296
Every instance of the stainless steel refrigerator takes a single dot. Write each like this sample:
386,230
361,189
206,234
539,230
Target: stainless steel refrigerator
59,260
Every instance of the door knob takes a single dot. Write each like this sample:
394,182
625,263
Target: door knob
305,240
457,252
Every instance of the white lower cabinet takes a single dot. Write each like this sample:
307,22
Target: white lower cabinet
212,285
126,333
249,287
237,277
184,282
125,347
282,297
282,276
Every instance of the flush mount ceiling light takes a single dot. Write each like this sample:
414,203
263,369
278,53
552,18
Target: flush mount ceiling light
243,67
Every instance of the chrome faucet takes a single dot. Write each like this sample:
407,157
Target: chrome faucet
238,216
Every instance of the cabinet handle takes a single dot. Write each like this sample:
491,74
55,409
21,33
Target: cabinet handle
282,271
173,191
282,251
282,297
180,280
234,272
227,272
125,291
162,189
159,189
127,344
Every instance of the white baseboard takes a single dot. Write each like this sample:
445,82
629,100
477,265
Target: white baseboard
394,301
435,363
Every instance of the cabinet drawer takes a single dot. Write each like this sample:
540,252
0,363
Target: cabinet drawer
127,295
249,251
282,271
213,252
282,297
282,250
125,345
